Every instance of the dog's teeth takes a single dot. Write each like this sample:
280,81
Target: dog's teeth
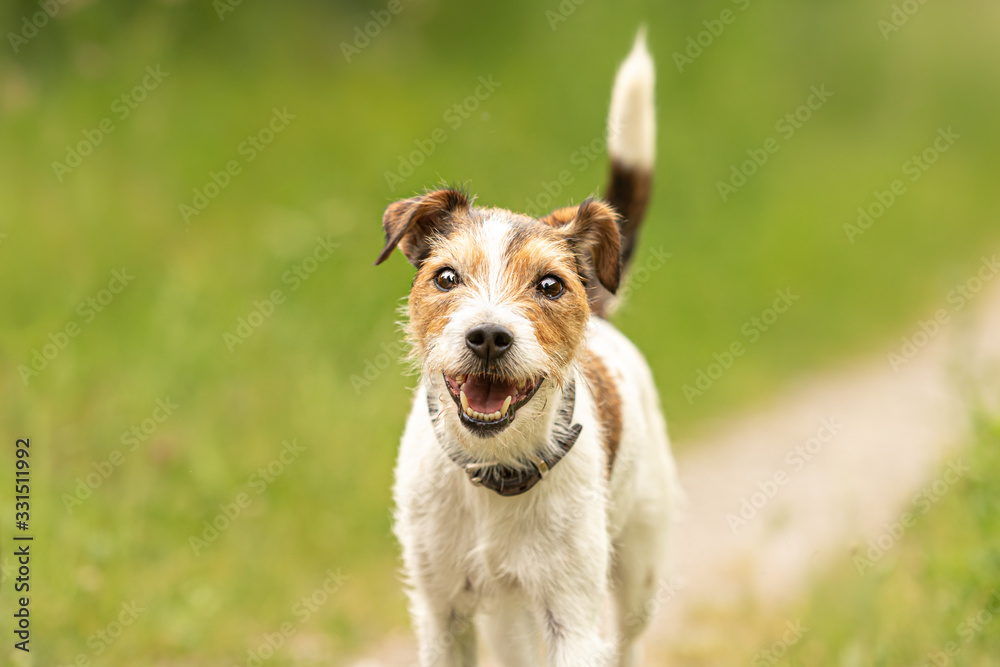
484,417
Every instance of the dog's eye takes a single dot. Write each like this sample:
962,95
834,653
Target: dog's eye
550,287
446,279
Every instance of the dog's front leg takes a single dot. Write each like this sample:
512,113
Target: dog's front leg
567,600
445,637
570,625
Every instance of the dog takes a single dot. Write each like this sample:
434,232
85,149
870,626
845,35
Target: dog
534,484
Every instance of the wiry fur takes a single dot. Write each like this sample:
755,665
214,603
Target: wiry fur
632,119
534,569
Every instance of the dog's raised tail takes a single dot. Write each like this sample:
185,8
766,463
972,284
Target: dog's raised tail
631,148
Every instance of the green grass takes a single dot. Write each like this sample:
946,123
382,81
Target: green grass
928,597
296,376
934,596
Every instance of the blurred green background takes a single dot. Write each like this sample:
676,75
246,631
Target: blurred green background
321,368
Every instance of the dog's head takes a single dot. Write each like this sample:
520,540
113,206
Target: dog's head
498,309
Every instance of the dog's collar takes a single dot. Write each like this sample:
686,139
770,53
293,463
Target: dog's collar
511,480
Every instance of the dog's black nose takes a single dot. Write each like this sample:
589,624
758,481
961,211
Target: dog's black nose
489,341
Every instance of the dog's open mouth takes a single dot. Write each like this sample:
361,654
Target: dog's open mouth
487,403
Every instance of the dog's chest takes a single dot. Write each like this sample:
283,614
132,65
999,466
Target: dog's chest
492,542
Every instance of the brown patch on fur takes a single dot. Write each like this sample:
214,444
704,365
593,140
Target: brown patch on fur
430,308
560,217
533,253
593,228
609,404
628,191
410,223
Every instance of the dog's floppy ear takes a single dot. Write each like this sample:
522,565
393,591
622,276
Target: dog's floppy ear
594,227
409,223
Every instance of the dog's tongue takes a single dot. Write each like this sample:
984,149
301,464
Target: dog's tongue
487,394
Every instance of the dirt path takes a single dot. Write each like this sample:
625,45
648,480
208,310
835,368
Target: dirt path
869,437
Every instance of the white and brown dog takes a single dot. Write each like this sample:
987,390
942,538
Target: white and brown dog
535,474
